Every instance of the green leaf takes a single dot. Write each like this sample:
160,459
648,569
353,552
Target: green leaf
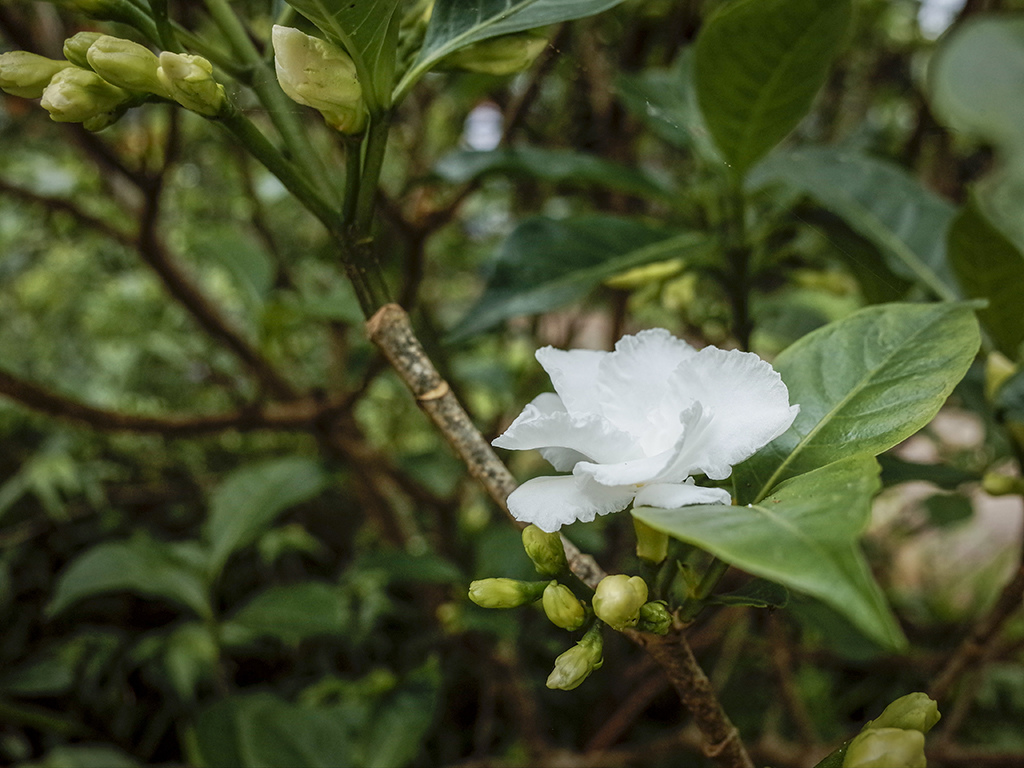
879,201
976,80
666,101
803,536
292,613
945,509
863,384
989,266
141,565
369,32
757,593
759,65
454,24
896,470
245,504
546,264
559,166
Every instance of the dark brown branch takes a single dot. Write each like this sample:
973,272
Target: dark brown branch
391,331
294,415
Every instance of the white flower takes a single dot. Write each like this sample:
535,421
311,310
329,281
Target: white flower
635,425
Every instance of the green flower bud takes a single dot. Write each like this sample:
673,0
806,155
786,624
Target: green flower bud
563,607
886,748
915,711
76,48
79,96
27,74
575,665
998,368
618,599
320,75
189,81
651,544
655,618
996,484
503,55
126,64
545,550
505,593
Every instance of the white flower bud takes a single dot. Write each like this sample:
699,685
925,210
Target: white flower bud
79,96
915,711
618,599
505,593
317,74
189,81
545,550
575,665
886,748
27,74
562,607
126,64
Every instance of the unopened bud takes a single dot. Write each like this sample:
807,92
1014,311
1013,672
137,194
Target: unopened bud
126,64
915,711
654,618
562,607
76,48
313,72
505,593
618,599
545,550
996,484
503,55
27,74
79,96
189,81
575,665
651,544
886,748
998,368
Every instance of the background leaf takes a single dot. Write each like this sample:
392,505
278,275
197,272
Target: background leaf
989,266
863,384
758,66
803,536
880,201
368,31
546,263
249,499
455,24
141,565
292,613
560,166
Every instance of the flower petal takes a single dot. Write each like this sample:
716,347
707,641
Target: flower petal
551,502
745,407
573,373
671,496
545,423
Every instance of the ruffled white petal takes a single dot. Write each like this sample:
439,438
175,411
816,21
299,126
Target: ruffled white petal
573,374
551,502
542,425
746,406
672,496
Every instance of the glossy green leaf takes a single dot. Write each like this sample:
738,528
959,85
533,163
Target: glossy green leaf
803,536
759,65
368,31
454,24
863,384
292,613
141,565
989,266
879,201
976,80
545,264
245,504
558,166
666,101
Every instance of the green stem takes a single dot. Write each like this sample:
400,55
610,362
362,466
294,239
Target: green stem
692,606
375,145
283,112
163,25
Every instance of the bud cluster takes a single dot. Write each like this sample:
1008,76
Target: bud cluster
895,739
102,76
